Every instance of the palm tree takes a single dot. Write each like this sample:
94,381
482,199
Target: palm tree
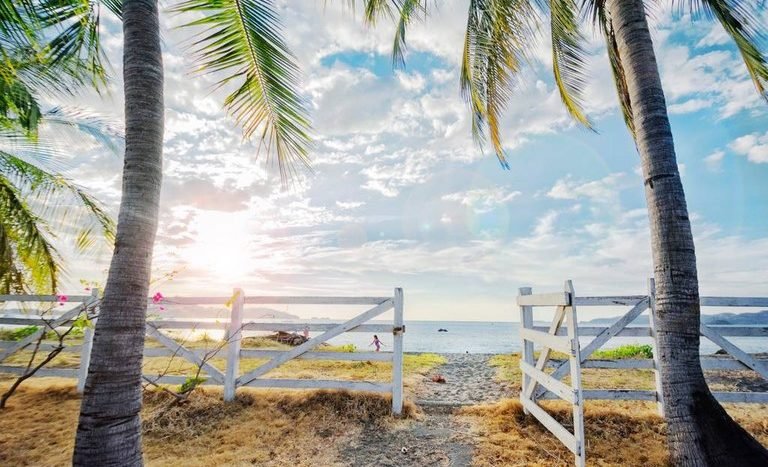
39,205
241,44
700,432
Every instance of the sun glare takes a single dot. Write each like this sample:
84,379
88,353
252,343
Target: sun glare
220,247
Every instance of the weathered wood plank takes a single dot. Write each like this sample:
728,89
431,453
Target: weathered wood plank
315,341
552,425
718,363
559,343
626,300
320,384
634,331
729,347
618,394
315,327
341,356
213,372
742,397
44,298
234,338
553,385
526,320
397,353
572,324
544,299
42,372
188,324
278,300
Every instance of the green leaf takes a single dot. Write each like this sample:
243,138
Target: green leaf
242,41
568,57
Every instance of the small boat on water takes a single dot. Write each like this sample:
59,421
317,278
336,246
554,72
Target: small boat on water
442,330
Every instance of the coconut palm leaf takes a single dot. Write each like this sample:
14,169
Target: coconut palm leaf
602,21
27,236
409,10
568,57
242,41
494,51
104,130
66,207
742,22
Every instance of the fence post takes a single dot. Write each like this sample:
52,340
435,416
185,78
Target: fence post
234,335
575,357
526,321
85,350
397,354
656,361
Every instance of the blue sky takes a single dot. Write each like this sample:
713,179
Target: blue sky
401,196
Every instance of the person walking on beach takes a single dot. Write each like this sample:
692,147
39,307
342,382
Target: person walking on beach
376,342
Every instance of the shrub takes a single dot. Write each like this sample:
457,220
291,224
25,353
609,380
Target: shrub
625,351
17,334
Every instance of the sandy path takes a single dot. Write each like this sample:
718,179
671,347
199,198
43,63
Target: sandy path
469,379
438,437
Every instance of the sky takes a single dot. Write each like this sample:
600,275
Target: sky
402,197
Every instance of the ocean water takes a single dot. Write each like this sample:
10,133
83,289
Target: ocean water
497,337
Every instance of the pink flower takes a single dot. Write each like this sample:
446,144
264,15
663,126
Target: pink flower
62,298
157,298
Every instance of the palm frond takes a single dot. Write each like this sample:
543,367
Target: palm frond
568,57
408,11
74,48
243,41
26,235
746,29
63,205
497,35
103,129
376,9
602,21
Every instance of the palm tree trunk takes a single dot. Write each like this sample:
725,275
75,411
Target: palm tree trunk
699,431
109,431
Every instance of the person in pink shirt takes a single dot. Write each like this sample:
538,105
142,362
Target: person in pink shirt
376,342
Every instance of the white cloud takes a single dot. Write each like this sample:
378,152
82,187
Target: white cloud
411,81
483,199
604,190
714,161
754,146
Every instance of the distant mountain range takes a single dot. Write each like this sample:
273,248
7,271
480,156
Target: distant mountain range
745,319
197,311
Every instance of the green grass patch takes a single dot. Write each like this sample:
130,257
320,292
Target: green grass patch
624,352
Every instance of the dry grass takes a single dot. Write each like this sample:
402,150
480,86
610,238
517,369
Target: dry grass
261,427
617,433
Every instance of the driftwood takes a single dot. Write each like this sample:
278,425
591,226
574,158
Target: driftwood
289,338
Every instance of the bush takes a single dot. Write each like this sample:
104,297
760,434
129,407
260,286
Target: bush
625,351
17,334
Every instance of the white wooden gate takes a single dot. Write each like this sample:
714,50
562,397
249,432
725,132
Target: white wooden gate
534,376
538,384
230,377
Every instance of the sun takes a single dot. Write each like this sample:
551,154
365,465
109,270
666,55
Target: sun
221,246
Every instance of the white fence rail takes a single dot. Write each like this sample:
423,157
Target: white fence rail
234,327
539,384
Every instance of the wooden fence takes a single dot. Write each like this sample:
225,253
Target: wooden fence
539,384
233,328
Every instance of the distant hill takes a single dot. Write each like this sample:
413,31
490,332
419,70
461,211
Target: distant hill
744,319
198,311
